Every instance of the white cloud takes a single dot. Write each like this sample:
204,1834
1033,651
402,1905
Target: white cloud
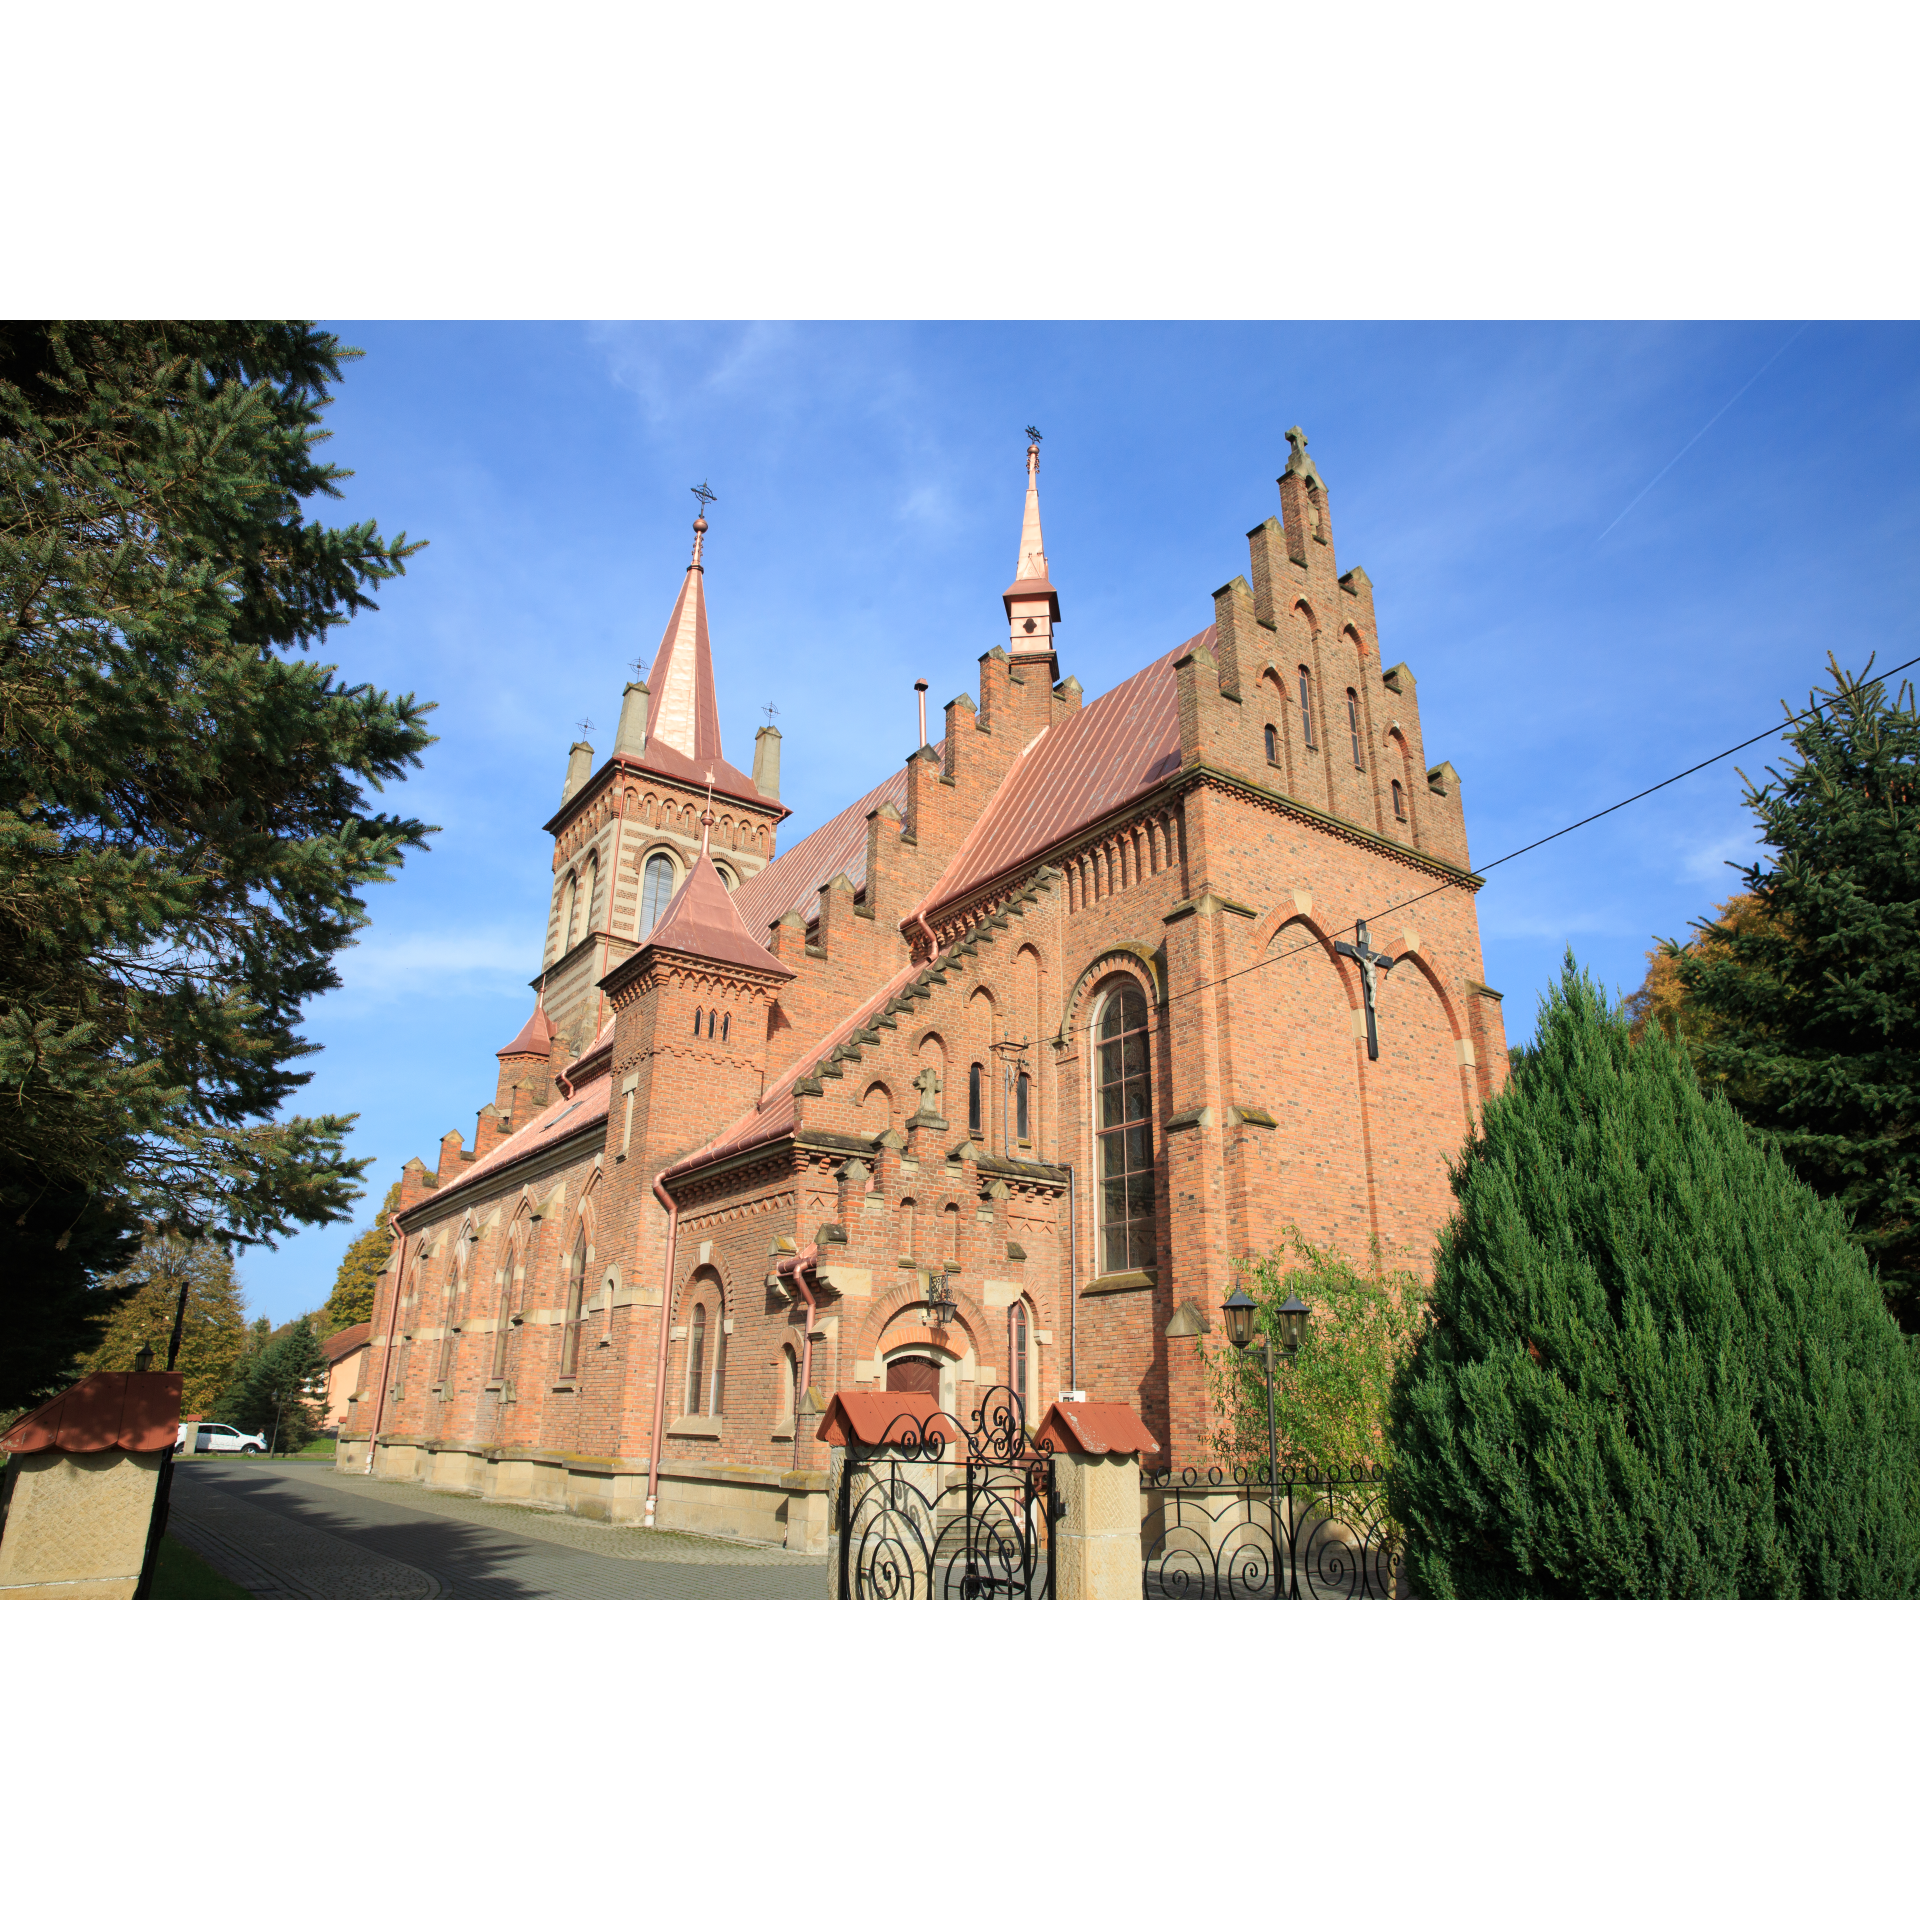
1708,861
485,960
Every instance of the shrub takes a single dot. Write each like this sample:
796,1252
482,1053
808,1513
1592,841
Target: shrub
1658,1365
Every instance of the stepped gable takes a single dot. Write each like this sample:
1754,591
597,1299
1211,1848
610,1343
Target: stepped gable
792,883
702,920
1112,751
534,1040
585,1111
772,1117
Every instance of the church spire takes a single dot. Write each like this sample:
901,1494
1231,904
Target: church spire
683,711
1032,605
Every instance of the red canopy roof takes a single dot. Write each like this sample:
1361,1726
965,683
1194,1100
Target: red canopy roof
873,1417
137,1411
702,920
1095,1426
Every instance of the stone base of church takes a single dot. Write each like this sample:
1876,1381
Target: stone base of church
761,1504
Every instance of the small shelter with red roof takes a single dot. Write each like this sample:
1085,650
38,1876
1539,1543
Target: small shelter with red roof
987,1079
83,1475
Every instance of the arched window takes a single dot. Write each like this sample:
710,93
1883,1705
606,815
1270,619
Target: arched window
974,1103
656,889
727,877
950,1231
1399,801
569,897
1123,1132
696,1354
576,1286
498,1368
1017,1354
1306,706
583,902
726,1023
1353,725
710,1020
1023,1108
908,1216
1273,745
789,1384
697,1013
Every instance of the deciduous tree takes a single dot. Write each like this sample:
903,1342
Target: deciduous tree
144,1299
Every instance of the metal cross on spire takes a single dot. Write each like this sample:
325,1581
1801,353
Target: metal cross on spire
771,711
587,726
1371,962
1033,434
705,495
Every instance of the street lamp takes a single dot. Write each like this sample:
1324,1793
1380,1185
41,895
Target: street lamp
144,1358
1239,1310
940,1301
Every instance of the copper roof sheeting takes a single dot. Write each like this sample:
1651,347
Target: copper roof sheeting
336,1346
703,920
792,883
1113,750
588,1108
535,1038
684,715
772,1116
1094,1426
873,1417
660,758
139,1412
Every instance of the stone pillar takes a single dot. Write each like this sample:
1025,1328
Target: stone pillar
1096,1480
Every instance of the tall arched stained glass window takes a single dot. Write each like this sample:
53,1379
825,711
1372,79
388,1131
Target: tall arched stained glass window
975,1116
1306,706
1017,1353
696,1355
1353,725
656,889
1123,1132
1273,745
576,1287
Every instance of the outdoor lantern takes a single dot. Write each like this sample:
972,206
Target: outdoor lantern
1293,1320
1239,1313
144,1358
940,1299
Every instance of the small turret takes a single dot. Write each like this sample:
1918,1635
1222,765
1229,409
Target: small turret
1033,608
632,737
766,761
579,767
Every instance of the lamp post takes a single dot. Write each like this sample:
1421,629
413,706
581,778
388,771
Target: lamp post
1239,1312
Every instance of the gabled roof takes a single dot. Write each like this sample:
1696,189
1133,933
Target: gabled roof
772,1117
535,1038
137,1411
792,883
1109,753
336,1346
702,920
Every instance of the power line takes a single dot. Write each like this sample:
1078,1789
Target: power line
1400,906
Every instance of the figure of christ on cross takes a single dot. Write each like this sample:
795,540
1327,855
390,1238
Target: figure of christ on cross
1371,962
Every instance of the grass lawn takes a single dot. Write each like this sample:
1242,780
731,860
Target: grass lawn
181,1575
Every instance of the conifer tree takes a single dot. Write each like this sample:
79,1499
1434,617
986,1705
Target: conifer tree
184,827
351,1300
279,1392
1808,1011
1658,1364
145,1298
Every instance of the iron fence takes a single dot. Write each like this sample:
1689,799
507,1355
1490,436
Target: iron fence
1318,1535
925,1515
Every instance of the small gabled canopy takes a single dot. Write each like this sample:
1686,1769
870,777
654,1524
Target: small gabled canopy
895,1418
533,1041
1095,1426
139,1412
702,920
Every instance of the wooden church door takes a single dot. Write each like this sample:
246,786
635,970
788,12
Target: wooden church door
913,1374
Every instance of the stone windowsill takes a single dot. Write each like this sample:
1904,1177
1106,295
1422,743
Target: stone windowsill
784,1431
1140,1280
696,1426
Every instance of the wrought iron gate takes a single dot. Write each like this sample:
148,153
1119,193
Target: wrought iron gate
931,1512
1327,1536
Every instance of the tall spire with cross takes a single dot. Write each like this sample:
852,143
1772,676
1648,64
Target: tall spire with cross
1033,608
683,712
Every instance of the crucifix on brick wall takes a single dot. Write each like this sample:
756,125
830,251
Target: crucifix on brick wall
1371,962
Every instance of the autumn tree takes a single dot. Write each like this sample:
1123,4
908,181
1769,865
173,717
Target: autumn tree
351,1301
144,1299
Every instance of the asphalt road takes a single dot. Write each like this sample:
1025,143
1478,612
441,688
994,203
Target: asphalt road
299,1531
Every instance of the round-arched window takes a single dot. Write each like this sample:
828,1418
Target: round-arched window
656,889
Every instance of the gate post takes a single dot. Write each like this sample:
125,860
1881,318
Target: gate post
1096,1523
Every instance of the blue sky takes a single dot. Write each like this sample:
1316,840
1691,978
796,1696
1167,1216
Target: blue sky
1584,611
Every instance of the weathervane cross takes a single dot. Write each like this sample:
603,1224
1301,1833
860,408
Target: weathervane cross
1371,962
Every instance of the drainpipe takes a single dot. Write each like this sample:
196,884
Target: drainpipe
933,945
386,1362
1073,1280
660,1368
794,1268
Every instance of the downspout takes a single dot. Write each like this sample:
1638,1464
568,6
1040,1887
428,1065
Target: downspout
660,1366
1073,1281
386,1359
794,1269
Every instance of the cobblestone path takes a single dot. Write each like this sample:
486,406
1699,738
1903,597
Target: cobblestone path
289,1531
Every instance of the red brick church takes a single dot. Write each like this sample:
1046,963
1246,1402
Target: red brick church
1052,1023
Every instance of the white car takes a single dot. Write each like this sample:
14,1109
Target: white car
217,1437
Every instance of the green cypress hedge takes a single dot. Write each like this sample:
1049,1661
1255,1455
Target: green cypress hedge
1657,1364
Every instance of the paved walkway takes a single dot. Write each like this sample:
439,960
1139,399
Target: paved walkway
293,1531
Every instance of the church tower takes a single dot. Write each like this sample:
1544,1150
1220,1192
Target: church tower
629,833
